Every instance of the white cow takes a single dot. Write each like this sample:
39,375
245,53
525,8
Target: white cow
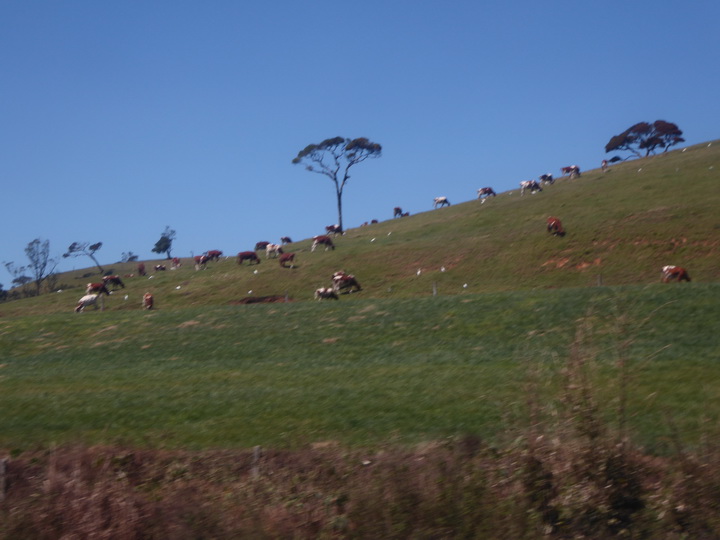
90,300
324,293
441,201
273,250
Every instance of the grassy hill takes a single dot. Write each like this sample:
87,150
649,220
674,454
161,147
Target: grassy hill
522,400
623,226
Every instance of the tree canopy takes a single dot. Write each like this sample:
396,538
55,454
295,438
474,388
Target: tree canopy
164,245
646,137
78,249
41,265
334,158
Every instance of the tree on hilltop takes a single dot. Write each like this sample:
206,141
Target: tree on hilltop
334,157
646,137
80,249
41,265
164,245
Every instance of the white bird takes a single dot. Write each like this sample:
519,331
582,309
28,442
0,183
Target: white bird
372,240
177,288
255,272
465,286
419,271
442,268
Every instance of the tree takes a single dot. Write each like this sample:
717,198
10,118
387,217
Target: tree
41,265
128,257
334,157
647,137
164,245
78,249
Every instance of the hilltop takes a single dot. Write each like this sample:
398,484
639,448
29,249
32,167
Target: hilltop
623,226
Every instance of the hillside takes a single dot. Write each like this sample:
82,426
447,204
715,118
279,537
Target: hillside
623,226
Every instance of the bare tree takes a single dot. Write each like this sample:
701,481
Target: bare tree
41,265
80,249
330,155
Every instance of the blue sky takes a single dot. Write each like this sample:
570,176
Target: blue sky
119,118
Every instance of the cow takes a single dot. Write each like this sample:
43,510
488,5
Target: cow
160,267
200,261
572,170
547,179
273,250
341,280
96,288
325,293
249,256
441,201
287,258
285,240
261,245
554,225
532,185
90,300
674,273
148,301
333,229
324,241
214,255
141,269
175,263
397,212
484,193
115,281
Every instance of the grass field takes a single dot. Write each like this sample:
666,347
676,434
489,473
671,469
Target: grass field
362,373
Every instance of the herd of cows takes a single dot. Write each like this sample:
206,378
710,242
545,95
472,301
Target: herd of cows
340,281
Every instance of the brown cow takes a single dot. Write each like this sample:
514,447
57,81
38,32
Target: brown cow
148,301
247,256
554,225
674,273
341,280
96,288
324,241
287,258
214,255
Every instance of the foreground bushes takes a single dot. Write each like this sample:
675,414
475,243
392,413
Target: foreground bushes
579,488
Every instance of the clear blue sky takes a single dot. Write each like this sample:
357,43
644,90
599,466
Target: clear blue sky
119,118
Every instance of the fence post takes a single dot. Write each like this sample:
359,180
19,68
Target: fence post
434,288
3,481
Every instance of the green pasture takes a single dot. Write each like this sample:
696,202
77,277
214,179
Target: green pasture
360,371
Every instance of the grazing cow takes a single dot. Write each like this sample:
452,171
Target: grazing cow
261,245
96,288
547,179
441,201
674,273
324,241
287,258
572,170
200,261
285,240
148,301
484,193
176,263
325,293
141,269
397,212
90,300
334,229
249,256
214,255
273,250
160,267
115,281
554,225
341,280
532,185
